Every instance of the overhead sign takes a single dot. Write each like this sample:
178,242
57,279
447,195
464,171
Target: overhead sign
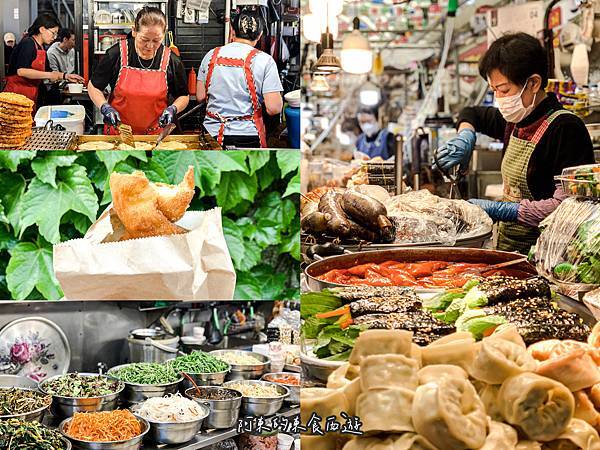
527,18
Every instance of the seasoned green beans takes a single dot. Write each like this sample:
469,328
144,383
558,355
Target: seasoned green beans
146,373
16,434
199,362
20,401
81,386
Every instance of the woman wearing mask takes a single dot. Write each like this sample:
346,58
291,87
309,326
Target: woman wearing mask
148,82
540,137
374,141
28,64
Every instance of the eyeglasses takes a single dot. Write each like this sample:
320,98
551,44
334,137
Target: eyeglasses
54,33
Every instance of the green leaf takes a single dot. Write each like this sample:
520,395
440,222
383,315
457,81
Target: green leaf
246,287
267,233
268,174
74,192
79,221
113,157
7,240
246,226
272,284
12,188
293,186
235,240
276,210
258,159
155,172
291,243
288,161
11,160
29,268
251,257
235,187
45,166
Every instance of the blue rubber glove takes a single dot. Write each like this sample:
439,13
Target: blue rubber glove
110,114
456,151
498,211
168,116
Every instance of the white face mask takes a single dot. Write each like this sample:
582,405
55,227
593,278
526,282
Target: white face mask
369,128
512,108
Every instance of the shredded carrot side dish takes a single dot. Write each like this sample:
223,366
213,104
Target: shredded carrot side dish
106,426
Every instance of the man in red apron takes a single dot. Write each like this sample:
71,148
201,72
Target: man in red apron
28,66
143,75
540,139
235,80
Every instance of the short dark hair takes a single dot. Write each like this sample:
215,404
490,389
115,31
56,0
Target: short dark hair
247,23
148,16
45,20
64,33
369,110
517,56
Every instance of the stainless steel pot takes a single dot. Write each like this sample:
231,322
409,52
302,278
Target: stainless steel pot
261,406
223,413
151,345
32,416
177,432
294,389
245,371
134,443
136,393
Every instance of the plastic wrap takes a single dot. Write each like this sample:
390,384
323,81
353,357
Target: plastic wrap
581,181
568,249
420,216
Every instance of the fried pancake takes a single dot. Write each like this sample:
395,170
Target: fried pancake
96,145
15,127
12,146
173,201
18,116
171,145
138,203
15,99
138,146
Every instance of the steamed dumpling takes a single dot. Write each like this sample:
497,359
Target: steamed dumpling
488,393
541,407
411,441
584,408
385,410
500,437
449,414
433,373
454,349
378,342
509,332
576,370
498,359
385,371
579,435
528,445
342,376
324,402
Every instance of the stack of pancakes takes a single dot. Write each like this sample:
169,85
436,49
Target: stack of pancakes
15,120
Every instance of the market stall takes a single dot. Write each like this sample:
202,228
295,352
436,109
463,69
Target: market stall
194,378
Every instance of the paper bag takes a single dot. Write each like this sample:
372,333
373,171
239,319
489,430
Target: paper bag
192,266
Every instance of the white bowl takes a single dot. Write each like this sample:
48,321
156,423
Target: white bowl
293,98
75,88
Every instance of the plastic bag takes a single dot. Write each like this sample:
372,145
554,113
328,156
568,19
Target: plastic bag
568,249
435,219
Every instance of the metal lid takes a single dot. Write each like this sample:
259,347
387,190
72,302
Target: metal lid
34,347
142,333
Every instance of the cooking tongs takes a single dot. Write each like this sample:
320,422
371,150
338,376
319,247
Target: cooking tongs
453,177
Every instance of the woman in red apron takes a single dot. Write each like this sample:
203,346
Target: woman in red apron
28,65
540,137
144,75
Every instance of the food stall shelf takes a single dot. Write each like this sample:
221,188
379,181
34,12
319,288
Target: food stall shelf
212,437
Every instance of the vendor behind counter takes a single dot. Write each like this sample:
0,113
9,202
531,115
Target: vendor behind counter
374,141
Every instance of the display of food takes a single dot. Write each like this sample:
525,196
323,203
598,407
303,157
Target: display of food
568,249
199,362
251,442
293,380
171,408
213,393
104,426
96,145
137,146
150,209
459,394
171,145
145,373
240,359
581,181
15,401
16,434
424,274
255,390
81,386
15,119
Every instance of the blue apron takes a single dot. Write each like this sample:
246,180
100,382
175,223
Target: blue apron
378,147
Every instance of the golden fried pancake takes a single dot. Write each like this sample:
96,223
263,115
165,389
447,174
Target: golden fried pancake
171,145
96,145
15,99
173,201
138,146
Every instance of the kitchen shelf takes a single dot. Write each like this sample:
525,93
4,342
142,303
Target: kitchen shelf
115,26
132,1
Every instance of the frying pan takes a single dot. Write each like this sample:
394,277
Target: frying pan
411,254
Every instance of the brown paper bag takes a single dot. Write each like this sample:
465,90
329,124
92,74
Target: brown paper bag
191,266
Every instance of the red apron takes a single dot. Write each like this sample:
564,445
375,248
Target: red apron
257,114
140,95
24,86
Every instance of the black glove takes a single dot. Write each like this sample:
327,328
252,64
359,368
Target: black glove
168,116
110,114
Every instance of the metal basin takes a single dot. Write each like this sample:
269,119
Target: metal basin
32,416
245,371
17,381
294,389
203,379
223,413
134,443
67,406
452,254
134,393
261,406
176,432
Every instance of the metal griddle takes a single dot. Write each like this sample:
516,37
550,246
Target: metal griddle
48,139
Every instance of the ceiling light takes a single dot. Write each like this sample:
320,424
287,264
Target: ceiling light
357,56
370,95
319,84
328,62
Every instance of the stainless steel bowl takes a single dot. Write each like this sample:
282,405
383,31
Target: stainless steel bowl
223,413
17,381
67,406
203,379
177,432
245,371
66,442
137,393
32,416
294,389
261,406
134,443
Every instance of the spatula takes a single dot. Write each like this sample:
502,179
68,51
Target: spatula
167,130
126,134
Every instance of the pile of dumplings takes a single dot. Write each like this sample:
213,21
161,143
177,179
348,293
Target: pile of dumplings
457,394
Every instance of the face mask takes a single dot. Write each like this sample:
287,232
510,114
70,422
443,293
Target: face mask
369,128
512,108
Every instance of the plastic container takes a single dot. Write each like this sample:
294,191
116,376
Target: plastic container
581,181
292,117
72,117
